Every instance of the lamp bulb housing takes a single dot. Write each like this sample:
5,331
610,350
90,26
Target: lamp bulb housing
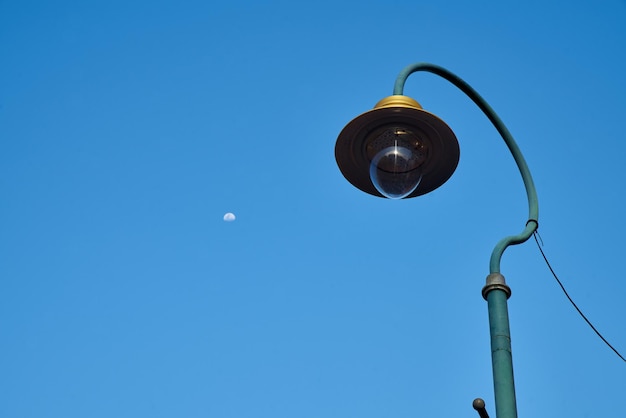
397,150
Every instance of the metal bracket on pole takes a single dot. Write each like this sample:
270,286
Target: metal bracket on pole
479,406
496,281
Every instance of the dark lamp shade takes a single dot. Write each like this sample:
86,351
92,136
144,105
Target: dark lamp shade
398,119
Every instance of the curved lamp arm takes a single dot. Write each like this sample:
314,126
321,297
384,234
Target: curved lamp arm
533,206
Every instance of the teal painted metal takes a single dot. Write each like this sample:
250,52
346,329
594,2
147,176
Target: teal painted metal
531,193
501,355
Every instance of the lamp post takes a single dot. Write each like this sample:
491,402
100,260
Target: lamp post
398,150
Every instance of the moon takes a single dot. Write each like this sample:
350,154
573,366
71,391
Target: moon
229,217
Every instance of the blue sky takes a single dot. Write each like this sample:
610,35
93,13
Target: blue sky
128,129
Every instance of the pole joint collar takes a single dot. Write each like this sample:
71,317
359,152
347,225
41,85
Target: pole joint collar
496,281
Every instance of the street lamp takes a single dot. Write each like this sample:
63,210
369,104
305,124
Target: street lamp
398,150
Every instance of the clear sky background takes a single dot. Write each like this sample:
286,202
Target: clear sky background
129,128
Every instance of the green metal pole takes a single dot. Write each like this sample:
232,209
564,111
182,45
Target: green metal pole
501,356
496,292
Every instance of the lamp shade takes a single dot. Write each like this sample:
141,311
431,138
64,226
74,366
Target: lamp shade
397,131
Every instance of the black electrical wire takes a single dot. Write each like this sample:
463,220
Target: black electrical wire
535,235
